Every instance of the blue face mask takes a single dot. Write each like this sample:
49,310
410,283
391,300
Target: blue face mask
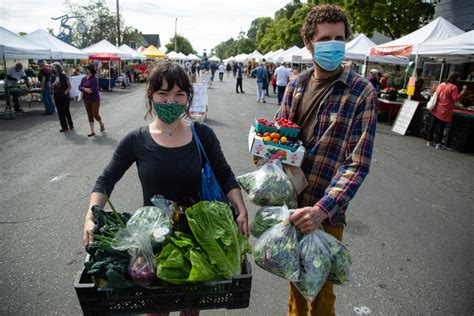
329,54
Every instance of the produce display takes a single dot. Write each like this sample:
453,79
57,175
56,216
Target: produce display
277,252
269,186
315,265
145,248
266,218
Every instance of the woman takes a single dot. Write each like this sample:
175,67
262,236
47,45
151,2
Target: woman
165,151
61,88
442,113
90,88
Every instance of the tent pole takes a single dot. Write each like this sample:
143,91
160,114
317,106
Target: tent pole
364,68
7,91
442,69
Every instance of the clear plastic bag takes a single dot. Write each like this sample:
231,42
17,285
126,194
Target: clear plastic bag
315,265
266,218
276,251
340,259
269,186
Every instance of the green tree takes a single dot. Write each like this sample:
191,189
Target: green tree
182,45
221,50
131,34
393,18
101,23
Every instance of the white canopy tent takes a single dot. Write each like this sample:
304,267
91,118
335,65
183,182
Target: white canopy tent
173,55
439,29
214,58
459,47
267,55
241,58
255,55
59,49
182,56
302,56
275,53
193,57
133,53
106,47
359,48
286,54
15,46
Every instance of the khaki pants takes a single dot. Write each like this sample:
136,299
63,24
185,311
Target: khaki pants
323,305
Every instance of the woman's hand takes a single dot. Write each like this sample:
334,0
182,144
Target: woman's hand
88,227
88,90
243,222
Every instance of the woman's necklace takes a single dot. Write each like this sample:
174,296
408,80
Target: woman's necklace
169,133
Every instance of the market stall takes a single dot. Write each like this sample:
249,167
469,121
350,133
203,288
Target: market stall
109,82
59,49
153,52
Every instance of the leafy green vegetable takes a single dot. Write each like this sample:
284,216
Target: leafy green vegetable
269,186
182,261
315,265
276,251
265,218
340,258
213,227
105,262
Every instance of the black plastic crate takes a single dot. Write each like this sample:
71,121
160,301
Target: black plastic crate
228,294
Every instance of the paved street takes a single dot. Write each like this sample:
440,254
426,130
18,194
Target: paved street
410,227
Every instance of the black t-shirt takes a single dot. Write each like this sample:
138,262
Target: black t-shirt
174,173
62,83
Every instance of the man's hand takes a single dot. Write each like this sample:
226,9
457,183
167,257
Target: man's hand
307,219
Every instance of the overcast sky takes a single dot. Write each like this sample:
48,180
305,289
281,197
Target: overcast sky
204,22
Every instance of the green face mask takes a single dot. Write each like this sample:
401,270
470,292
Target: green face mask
169,112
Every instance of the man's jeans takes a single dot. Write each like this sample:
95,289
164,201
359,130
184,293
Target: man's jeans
260,92
281,91
47,100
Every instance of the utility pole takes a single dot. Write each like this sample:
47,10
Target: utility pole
175,36
118,24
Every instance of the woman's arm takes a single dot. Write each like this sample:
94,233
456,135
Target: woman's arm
68,83
96,198
235,196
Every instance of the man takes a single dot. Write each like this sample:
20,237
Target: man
43,76
14,75
221,72
239,71
260,74
213,70
194,68
282,75
336,109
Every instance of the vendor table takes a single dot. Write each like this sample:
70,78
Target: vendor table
458,135
392,107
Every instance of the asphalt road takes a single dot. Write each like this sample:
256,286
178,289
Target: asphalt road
410,227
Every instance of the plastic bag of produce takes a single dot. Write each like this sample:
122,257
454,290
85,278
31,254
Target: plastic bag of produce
315,265
269,186
276,251
266,218
340,258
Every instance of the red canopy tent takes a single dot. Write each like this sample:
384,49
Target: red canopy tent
105,57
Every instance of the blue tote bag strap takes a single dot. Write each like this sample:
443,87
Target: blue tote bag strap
210,188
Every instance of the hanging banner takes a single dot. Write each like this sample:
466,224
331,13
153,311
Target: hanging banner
399,50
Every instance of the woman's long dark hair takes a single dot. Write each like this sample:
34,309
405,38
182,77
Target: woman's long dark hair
453,77
173,74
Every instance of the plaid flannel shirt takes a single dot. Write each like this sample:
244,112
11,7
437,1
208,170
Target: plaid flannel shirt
338,156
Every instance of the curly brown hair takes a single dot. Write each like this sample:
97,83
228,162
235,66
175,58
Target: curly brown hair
324,13
173,74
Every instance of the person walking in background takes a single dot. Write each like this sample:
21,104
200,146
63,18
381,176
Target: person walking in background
239,78
234,69
443,111
90,87
61,88
43,76
221,72
213,70
193,72
260,74
228,68
268,79
282,75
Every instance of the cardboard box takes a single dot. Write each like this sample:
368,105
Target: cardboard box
258,148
